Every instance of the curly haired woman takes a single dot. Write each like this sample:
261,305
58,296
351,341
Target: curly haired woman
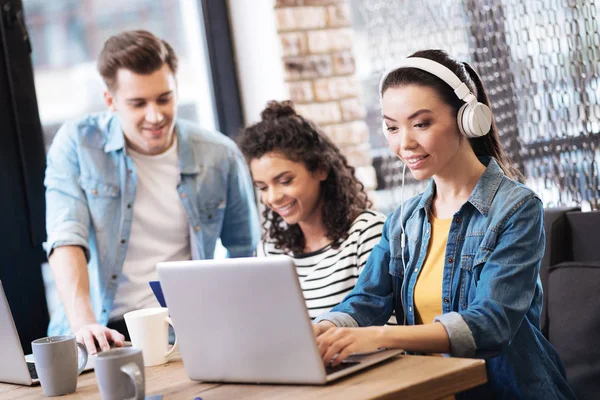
316,210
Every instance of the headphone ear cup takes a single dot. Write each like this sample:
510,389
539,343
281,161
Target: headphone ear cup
384,129
474,120
481,119
460,119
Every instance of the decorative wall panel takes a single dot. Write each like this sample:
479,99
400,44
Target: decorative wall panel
540,62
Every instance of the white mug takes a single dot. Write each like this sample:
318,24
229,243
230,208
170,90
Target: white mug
149,330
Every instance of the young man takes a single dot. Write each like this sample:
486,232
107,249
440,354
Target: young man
134,186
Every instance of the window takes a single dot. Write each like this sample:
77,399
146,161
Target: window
67,37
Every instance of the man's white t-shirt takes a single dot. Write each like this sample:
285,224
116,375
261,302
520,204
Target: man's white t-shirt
159,230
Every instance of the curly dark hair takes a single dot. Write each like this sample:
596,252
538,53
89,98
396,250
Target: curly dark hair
299,140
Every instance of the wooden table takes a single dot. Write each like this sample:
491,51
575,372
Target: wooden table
411,377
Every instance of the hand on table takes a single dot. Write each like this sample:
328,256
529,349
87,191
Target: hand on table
90,334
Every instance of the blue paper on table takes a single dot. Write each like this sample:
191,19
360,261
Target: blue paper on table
155,285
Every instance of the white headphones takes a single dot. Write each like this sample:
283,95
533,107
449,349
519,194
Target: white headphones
474,118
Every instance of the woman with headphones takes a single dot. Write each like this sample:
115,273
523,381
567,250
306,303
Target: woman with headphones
458,264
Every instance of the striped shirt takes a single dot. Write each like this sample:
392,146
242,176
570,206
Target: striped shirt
328,275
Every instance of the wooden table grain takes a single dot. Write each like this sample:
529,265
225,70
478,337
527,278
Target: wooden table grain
410,377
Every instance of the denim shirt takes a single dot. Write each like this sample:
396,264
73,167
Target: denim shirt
90,191
491,292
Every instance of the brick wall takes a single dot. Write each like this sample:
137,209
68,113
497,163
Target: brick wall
316,38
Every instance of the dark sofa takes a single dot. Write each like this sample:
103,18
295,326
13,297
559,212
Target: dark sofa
570,277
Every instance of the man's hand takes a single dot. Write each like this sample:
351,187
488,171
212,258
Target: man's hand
345,341
69,266
93,333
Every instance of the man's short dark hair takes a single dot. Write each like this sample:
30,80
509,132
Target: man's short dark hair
138,51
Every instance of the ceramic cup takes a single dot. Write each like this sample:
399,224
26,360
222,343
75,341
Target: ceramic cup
149,330
120,374
56,363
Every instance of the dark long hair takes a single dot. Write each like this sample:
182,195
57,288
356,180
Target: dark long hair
488,145
282,130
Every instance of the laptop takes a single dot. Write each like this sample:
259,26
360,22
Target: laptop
245,320
15,367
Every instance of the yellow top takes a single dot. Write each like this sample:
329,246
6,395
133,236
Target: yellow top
428,290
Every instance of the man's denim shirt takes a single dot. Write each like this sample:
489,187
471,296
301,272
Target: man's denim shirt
491,293
90,191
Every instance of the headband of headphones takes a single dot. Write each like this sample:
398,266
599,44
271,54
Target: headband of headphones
460,88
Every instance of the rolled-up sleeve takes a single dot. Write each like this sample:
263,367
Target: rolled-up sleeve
339,319
462,343
67,213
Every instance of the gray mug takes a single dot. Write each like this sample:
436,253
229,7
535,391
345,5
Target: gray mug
120,374
56,363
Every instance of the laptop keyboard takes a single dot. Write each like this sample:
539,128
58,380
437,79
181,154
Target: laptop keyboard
345,364
32,371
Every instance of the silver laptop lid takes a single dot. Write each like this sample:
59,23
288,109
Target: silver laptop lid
241,320
13,368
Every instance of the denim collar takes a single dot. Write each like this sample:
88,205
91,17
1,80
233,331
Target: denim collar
187,161
484,191
115,139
